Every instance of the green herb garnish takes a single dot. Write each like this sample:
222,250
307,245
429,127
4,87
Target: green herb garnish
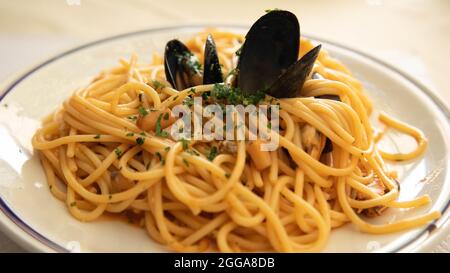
185,162
188,101
142,111
270,10
97,136
158,85
158,154
159,131
238,52
185,144
118,152
161,159
205,95
192,152
213,153
140,140
235,96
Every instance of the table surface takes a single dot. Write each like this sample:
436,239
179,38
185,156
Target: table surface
413,35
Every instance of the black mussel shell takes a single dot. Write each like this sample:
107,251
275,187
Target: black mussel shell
270,47
212,73
181,66
289,84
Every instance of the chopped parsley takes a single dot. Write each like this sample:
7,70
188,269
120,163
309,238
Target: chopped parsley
140,140
97,136
213,153
130,134
238,52
73,204
161,159
166,116
270,10
167,149
175,98
228,175
235,96
192,90
206,95
185,162
142,111
185,144
158,85
192,152
188,101
118,152
159,131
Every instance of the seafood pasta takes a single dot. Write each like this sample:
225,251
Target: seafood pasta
110,148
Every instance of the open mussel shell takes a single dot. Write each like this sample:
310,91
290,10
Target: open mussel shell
212,73
289,84
270,47
181,66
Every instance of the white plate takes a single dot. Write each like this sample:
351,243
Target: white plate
34,218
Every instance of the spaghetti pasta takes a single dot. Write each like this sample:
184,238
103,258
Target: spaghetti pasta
98,160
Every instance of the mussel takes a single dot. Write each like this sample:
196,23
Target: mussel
212,72
268,59
183,69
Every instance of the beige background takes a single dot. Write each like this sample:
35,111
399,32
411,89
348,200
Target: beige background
413,35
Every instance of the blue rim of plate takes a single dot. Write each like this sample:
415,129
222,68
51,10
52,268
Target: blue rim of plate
56,247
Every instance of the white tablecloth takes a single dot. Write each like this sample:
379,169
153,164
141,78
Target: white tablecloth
413,35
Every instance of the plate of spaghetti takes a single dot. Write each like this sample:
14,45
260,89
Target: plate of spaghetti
225,139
